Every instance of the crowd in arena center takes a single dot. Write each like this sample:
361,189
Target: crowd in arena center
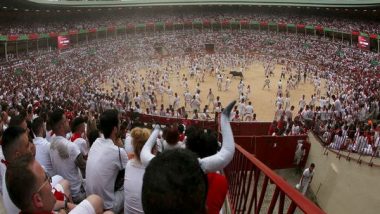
59,136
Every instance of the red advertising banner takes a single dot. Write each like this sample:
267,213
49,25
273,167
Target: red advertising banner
63,42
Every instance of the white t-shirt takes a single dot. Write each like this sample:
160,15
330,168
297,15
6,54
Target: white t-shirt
82,145
162,145
64,164
133,181
249,109
8,204
104,162
43,154
307,175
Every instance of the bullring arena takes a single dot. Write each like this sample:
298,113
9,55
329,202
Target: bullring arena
263,100
189,107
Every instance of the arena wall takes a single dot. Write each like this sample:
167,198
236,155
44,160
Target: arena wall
342,186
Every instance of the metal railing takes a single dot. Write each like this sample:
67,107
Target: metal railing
251,184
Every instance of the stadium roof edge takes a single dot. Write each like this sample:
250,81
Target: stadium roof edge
142,3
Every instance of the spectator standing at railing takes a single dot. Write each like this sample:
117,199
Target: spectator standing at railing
306,178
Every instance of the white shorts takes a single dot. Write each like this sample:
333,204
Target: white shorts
83,208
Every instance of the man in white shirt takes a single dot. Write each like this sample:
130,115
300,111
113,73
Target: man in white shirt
15,144
42,146
37,196
307,177
78,128
248,112
105,160
66,156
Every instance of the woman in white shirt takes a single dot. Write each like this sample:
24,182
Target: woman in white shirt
134,173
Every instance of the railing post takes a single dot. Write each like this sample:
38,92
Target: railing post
274,200
262,194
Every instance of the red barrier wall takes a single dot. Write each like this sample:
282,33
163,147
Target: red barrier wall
276,152
207,124
250,129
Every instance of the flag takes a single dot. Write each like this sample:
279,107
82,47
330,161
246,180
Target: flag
12,37
206,23
225,23
23,37
168,24
73,32
53,34
111,28
44,35
374,36
263,24
243,22
130,26
81,31
355,33
3,38
33,36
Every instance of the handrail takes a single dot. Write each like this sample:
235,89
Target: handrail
236,171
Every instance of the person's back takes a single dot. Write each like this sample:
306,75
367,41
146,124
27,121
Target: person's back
134,172
133,181
63,154
43,154
104,162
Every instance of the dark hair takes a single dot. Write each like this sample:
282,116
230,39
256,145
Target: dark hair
171,135
312,165
9,140
181,128
202,143
56,117
17,175
174,183
37,124
92,136
108,120
76,123
17,120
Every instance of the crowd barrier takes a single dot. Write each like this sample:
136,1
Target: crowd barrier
250,128
238,128
249,182
277,152
145,118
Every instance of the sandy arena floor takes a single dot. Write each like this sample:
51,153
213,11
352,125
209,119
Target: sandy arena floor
263,100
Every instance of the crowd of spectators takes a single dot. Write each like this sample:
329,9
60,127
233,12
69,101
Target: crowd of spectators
49,91
65,21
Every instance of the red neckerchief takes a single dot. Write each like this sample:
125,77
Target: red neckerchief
75,136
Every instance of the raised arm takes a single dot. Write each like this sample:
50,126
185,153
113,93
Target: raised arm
224,156
146,152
